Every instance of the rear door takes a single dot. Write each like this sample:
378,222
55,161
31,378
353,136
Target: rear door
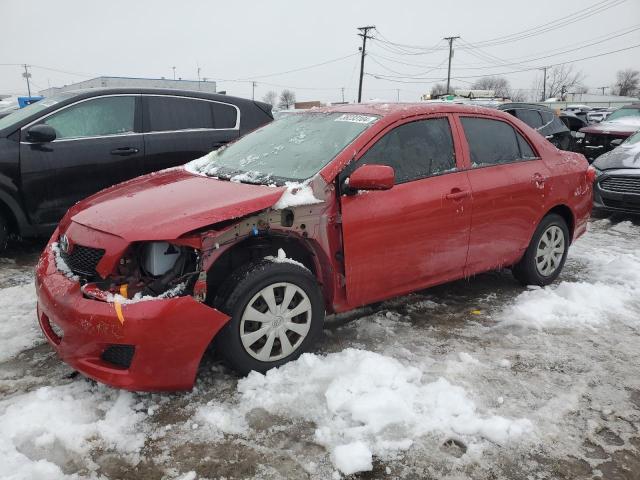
180,129
415,234
509,184
98,144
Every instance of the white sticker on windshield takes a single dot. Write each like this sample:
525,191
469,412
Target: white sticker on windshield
353,118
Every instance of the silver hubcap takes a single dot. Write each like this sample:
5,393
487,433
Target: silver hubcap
275,322
550,251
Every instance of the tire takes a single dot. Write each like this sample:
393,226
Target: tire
254,338
534,269
4,233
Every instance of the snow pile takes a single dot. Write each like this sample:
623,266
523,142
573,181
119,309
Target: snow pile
138,297
58,426
366,404
18,327
61,265
205,165
609,288
295,195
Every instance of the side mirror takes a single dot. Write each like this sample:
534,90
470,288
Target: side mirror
372,177
616,142
41,134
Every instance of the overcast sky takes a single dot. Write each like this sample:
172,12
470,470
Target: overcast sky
243,39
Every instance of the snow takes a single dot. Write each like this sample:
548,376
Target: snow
51,426
205,165
295,195
18,326
138,297
352,458
61,265
282,258
362,398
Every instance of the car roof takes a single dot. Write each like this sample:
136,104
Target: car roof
400,110
534,106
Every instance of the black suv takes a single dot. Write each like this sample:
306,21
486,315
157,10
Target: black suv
544,120
64,148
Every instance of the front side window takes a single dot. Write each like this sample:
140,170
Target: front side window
95,118
294,147
624,112
415,150
493,142
175,113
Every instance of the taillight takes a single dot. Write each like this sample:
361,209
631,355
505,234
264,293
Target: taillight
591,174
200,287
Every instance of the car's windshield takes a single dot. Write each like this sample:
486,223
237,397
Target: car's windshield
19,115
624,112
633,139
294,147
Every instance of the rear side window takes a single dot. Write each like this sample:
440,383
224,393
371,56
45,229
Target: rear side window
224,116
493,142
173,113
415,150
530,117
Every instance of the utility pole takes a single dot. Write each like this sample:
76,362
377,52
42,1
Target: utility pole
397,94
602,88
199,79
174,72
450,40
342,89
364,35
27,75
544,84
253,90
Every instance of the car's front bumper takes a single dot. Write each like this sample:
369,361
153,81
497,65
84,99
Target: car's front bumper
169,336
617,200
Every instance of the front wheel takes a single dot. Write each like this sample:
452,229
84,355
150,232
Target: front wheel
277,313
546,254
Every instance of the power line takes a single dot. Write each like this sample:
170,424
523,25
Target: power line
253,77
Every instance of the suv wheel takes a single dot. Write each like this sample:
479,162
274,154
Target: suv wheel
277,313
546,254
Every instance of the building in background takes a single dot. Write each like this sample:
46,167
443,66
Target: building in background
124,82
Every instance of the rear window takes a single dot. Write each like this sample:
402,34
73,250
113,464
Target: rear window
493,142
530,117
173,113
224,116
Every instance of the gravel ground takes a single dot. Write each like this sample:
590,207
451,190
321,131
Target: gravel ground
477,379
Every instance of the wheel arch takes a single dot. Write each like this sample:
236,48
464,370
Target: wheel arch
12,212
255,248
567,214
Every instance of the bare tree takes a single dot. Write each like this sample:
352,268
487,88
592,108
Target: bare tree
627,83
517,95
287,99
499,85
561,79
271,97
441,89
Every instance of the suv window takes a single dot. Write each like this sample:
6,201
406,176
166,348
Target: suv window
168,113
224,116
493,142
415,150
95,118
530,117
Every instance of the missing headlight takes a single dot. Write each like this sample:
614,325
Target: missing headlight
159,257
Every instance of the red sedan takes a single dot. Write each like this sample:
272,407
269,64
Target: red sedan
321,211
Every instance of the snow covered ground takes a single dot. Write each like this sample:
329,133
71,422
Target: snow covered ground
475,379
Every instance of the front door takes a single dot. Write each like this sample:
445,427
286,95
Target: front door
509,185
97,145
415,234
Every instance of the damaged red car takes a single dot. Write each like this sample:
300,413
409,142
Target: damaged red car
247,248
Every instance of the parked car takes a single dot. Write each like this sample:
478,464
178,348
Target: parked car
574,124
64,148
319,211
617,186
598,115
607,135
544,120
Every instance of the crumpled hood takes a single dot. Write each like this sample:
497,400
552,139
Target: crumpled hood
625,156
170,203
622,127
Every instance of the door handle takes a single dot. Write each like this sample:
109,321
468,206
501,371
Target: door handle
124,151
457,194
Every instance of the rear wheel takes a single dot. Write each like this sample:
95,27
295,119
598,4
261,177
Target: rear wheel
277,313
546,254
